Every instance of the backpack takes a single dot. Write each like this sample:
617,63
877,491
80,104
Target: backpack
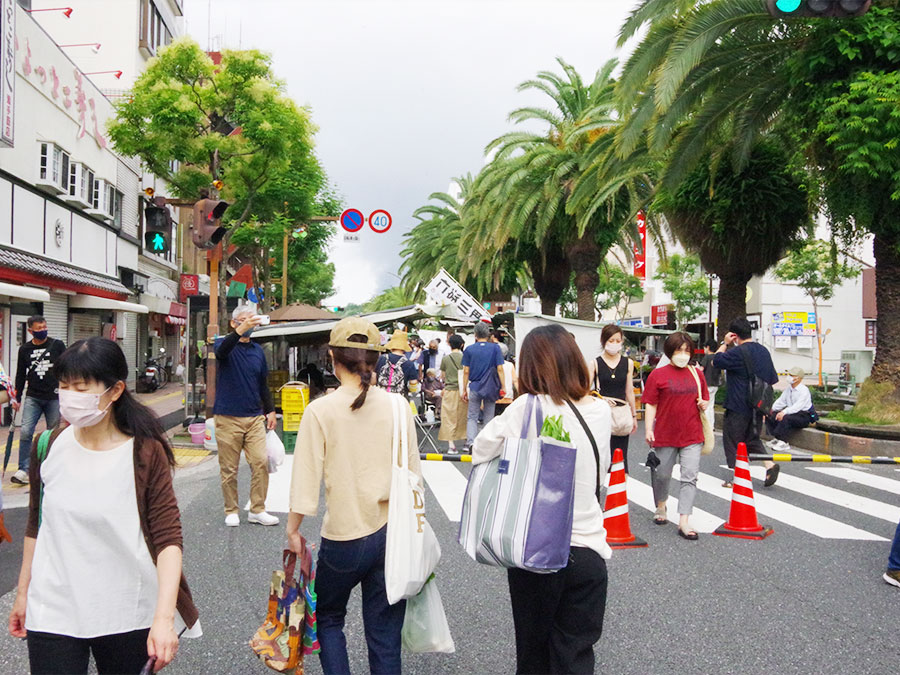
760,395
391,377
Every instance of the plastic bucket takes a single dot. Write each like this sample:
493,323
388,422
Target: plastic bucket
197,432
210,437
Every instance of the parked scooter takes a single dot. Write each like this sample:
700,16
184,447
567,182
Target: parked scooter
155,374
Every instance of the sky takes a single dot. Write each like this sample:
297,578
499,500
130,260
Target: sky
406,94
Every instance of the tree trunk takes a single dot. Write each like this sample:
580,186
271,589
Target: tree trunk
887,298
551,277
732,300
585,257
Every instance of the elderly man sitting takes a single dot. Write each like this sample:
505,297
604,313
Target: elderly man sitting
793,410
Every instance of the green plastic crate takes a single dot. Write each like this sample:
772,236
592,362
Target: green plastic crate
289,438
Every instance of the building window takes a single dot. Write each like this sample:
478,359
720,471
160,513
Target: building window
106,202
153,32
81,180
54,172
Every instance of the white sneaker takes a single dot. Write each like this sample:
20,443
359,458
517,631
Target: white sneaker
772,443
232,520
782,446
20,477
262,518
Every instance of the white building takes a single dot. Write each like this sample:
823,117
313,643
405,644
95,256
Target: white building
70,208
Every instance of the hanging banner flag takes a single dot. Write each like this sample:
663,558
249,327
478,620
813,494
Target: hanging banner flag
7,72
445,290
640,252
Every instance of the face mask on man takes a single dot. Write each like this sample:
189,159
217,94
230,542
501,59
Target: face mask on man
680,360
40,334
81,409
432,350
613,348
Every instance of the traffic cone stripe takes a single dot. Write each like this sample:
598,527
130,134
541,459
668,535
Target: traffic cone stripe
617,511
744,483
743,500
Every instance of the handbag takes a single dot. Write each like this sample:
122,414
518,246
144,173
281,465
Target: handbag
274,451
425,627
412,550
517,509
709,439
622,419
289,631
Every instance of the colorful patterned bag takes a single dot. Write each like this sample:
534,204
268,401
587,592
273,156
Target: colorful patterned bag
289,632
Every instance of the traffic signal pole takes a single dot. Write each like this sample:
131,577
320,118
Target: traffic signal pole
212,328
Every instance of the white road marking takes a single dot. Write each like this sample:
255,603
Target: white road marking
820,526
448,486
641,495
870,507
861,477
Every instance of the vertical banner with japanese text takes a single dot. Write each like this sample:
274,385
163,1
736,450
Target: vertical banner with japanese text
640,251
7,72
446,290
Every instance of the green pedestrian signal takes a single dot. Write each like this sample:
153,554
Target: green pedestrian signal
158,226
159,242
818,8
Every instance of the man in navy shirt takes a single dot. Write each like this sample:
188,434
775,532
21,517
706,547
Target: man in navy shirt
742,422
482,374
244,410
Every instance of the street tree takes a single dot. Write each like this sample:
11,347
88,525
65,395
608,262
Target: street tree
817,268
615,291
193,122
524,191
683,279
392,298
715,75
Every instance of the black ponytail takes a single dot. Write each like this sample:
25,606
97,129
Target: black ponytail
100,360
359,362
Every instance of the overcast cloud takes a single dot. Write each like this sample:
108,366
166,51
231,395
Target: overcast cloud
406,94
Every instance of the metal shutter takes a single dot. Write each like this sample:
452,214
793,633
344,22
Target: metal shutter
57,314
129,344
83,326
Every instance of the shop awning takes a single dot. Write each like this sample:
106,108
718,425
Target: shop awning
25,267
323,327
24,292
175,320
155,304
93,302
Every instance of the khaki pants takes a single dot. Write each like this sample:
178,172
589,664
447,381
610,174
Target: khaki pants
234,434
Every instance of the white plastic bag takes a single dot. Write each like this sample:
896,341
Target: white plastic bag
412,550
274,451
425,627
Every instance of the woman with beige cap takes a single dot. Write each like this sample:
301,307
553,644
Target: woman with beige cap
346,438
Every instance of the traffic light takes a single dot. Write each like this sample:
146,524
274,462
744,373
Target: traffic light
158,227
207,231
818,8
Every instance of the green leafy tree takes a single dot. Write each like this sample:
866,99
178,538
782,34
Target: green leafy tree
192,123
816,267
617,290
683,279
392,298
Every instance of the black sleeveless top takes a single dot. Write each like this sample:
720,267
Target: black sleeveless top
613,382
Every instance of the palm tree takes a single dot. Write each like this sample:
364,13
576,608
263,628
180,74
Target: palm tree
523,194
711,77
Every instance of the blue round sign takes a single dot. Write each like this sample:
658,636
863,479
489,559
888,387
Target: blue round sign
352,220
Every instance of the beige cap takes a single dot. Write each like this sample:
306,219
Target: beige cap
356,325
797,371
399,340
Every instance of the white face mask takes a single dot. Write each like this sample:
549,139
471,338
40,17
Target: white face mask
81,409
613,348
680,360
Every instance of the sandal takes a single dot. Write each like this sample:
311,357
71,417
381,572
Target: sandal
690,536
727,484
659,517
772,476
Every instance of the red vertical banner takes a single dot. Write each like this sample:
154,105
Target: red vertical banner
640,251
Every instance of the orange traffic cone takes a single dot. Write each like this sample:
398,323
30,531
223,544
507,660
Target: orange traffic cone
742,522
615,512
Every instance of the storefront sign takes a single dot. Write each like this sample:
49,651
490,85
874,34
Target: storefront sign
7,72
640,251
794,323
446,290
659,315
190,285
871,333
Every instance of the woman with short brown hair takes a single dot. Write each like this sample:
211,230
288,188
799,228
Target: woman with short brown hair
674,430
612,374
558,617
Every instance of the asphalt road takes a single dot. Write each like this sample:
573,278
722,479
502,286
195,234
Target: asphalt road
797,602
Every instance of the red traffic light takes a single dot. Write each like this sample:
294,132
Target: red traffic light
207,231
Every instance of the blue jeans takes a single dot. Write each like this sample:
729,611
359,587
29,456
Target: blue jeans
894,558
33,409
342,565
475,403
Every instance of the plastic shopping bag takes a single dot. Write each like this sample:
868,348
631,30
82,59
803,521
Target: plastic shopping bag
425,627
412,550
274,451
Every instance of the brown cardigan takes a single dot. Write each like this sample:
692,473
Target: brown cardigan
157,508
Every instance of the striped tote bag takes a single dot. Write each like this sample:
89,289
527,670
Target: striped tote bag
517,510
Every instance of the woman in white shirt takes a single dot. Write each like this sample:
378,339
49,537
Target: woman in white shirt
101,567
558,617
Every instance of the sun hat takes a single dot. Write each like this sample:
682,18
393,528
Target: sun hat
797,371
399,340
355,325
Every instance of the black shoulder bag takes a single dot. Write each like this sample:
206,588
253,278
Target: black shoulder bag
593,444
760,395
